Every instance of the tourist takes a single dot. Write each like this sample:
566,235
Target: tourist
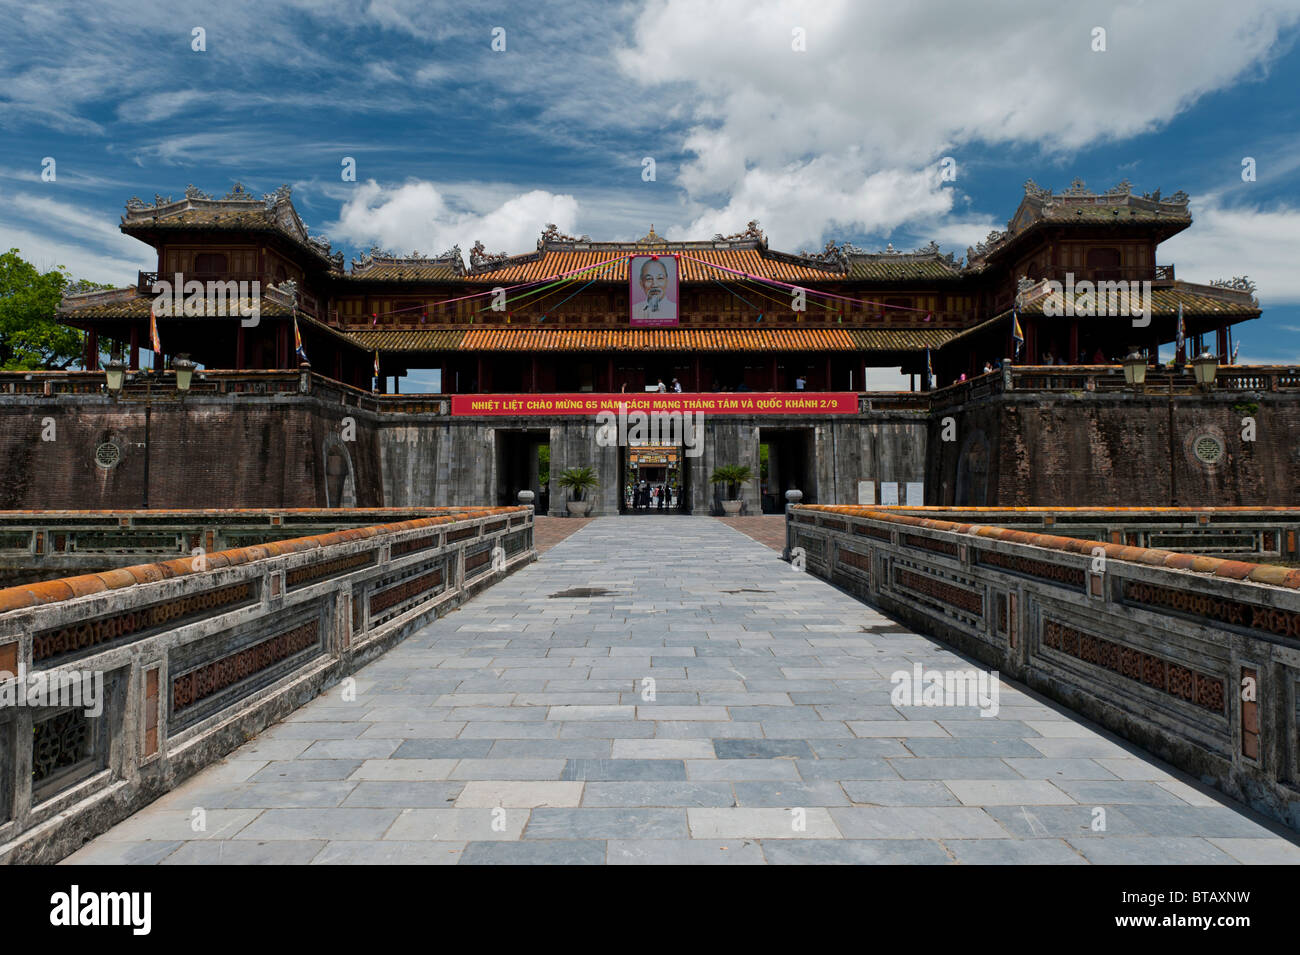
800,383
663,389
677,386
988,367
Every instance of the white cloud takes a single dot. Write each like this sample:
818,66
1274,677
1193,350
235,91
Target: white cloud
1241,240
799,204
417,215
82,262
885,89
48,233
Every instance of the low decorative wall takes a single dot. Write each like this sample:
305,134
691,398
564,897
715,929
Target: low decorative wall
1196,659
1263,534
197,655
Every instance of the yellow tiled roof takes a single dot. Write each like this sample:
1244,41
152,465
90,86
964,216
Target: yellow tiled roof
538,339
558,262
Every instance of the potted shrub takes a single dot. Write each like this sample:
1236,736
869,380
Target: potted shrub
579,481
732,476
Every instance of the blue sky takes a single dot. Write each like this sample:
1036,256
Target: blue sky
455,141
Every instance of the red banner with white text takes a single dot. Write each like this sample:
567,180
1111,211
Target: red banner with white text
730,402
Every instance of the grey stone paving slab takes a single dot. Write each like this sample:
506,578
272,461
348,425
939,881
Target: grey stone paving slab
517,730
761,748
890,792
786,795
624,769
591,823
564,852
238,852
863,767
403,795
917,822
1014,852
297,824
855,852
684,852
390,853
1152,850
651,793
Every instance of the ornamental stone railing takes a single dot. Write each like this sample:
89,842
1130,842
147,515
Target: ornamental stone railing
1196,659
196,655
1261,534
39,545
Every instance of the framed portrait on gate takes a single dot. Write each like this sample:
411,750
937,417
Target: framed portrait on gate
652,289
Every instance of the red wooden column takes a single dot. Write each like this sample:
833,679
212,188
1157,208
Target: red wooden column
479,381
239,347
134,363
697,374
1221,344
775,383
533,378
92,350
1073,357
609,367
829,383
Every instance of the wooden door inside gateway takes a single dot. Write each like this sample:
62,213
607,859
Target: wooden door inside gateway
523,464
654,479
786,460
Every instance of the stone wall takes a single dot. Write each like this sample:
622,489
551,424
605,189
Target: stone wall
1084,448
210,452
319,445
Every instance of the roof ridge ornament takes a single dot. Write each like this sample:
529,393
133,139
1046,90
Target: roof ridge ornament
239,193
552,234
273,199
752,230
479,255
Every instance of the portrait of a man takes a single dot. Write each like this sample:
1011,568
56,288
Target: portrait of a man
653,289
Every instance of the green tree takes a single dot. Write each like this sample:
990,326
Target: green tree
31,338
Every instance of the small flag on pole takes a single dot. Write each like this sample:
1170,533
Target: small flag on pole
297,339
1017,333
376,363
929,369
1235,348
153,333
1179,357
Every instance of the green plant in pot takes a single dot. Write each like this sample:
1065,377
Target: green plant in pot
732,476
578,481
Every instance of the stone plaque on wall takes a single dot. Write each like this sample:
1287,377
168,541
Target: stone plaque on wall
866,493
889,494
915,493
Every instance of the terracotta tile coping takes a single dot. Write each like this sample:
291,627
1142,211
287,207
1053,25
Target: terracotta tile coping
53,591
1219,567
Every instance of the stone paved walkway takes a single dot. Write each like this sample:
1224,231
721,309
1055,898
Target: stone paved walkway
517,729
